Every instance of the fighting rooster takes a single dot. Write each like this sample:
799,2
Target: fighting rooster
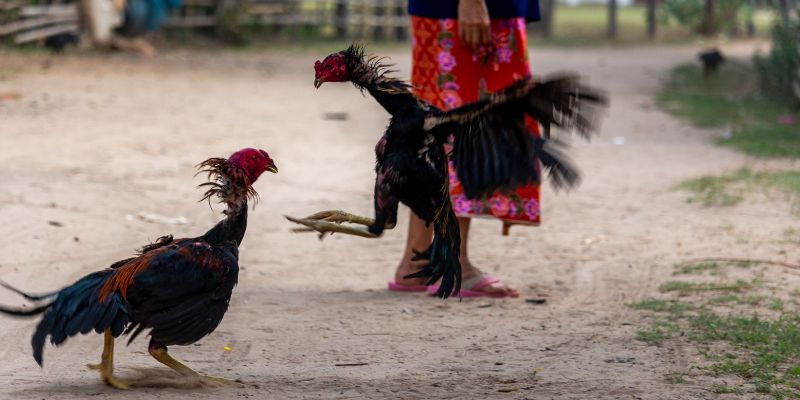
177,288
492,151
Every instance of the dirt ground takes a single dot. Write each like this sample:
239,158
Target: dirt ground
94,141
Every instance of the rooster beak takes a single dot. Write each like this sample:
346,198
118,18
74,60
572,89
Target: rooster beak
318,82
273,169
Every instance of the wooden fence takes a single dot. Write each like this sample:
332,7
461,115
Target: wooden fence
381,19
25,23
25,20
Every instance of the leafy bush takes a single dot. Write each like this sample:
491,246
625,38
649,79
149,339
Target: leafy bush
690,13
779,71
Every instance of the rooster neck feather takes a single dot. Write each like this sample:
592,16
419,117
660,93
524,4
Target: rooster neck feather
233,186
373,74
228,183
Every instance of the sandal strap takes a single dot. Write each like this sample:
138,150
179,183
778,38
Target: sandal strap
476,283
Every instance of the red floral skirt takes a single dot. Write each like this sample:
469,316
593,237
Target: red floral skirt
448,74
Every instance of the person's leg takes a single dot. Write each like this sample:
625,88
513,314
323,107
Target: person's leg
419,239
468,270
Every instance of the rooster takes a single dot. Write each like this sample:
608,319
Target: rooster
492,151
177,288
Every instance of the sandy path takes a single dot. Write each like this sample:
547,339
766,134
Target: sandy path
93,140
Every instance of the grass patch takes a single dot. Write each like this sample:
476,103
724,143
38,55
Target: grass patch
696,268
658,332
587,24
730,99
687,287
728,190
751,300
658,305
747,341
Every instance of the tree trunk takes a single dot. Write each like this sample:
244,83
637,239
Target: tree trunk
612,19
785,12
547,13
751,25
651,19
708,26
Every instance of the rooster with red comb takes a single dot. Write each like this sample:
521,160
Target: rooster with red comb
492,152
179,289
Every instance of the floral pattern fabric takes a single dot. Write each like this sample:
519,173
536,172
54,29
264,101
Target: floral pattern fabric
448,74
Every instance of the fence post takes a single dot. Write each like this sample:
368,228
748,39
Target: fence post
400,31
612,19
378,10
545,26
340,18
651,19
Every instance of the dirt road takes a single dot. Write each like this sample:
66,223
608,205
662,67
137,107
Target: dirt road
95,141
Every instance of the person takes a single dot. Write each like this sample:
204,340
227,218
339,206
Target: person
464,50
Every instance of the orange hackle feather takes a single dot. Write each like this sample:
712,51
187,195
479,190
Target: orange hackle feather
123,276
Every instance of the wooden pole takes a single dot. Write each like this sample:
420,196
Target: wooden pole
400,31
548,13
379,11
708,26
612,19
340,18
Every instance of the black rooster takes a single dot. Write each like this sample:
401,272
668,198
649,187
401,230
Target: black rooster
177,288
492,151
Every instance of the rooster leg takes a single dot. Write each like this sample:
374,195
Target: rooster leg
106,366
329,222
159,352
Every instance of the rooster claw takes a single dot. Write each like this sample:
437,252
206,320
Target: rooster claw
330,222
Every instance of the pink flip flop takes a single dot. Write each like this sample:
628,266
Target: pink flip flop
396,287
472,287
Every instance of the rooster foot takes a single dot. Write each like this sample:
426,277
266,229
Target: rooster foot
330,222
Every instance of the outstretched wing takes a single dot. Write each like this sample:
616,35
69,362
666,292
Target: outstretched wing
494,151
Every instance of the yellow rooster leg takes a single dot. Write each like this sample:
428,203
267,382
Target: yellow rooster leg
106,366
329,222
159,352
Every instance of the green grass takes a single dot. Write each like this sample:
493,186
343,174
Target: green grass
686,287
659,305
751,300
728,190
764,352
660,331
696,268
587,25
730,100
747,335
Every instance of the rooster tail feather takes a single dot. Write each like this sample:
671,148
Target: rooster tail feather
31,297
79,309
442,255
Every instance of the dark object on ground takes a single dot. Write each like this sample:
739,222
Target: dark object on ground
711,60
57,43
536,301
